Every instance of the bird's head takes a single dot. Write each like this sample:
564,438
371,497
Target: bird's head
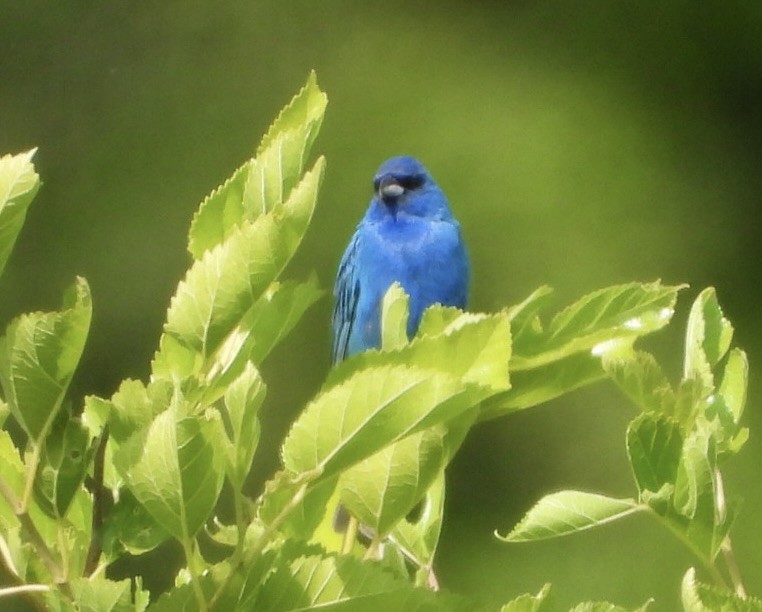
402,184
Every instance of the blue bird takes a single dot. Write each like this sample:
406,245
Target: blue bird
408,235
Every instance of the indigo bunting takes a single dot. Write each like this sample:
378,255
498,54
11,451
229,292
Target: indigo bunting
408,235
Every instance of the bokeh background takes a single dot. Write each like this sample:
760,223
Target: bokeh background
581,144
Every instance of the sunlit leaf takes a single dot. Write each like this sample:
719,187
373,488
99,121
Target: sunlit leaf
243,399
383,488
224,284
176,469
618,312
418,538
13,475
18,185
568,512
530,603
38,356
135,405
532,387
605,606
394,316
346,583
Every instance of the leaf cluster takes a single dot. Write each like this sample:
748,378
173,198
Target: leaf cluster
89,483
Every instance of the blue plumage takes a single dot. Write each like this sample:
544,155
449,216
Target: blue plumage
407,235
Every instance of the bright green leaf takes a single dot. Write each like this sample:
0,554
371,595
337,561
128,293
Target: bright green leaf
377,406
618,312
38,356
530,603
568,512
243,399
175,469
605,606
306,108
382,489
473,347
526,324
268,321
218,214
346,583
18,185
135,405
536,386
394,316
224,284
418,539
13,475
695,475
654,445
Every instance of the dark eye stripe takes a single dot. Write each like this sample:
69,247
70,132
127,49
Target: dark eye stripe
411,182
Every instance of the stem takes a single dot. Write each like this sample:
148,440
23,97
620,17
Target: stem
24,588
240,522
94,552
190,561
31,474
374,549
727,547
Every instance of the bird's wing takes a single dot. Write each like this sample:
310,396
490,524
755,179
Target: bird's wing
347,292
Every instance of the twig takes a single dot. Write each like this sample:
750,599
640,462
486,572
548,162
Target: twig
94,551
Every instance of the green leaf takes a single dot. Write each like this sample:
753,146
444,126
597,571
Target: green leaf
38,356
568,512
640,377
377,406
707,339
307,516
135,405
526,324
544,383
384,488
698,597
654,445
175,469
530,603
129,526
618,312
220,212
13,475
473,347
243,399
346,583
96,594
271,318
262,183
694,486
306,108
419,538
18,185
224,284
735,380
64,464
394,316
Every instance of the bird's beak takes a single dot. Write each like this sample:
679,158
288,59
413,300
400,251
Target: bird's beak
389,188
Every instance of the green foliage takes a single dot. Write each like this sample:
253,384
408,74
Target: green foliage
88,484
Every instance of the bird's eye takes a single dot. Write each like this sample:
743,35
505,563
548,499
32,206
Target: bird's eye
411,183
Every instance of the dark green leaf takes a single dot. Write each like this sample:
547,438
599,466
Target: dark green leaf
654,445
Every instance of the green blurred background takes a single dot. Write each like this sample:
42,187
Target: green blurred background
581,144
